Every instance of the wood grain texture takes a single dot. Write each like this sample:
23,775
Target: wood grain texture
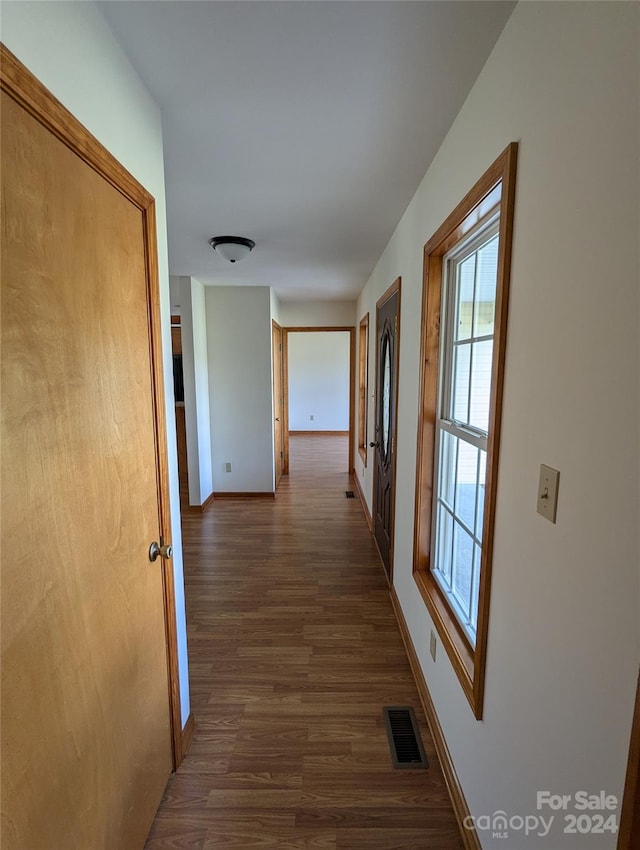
384,469
187,734
278,402
86,738
294,650
352,398
318,433
495,189
363,502
267,494
200,509
352,385
36,100
363,387
181,447
629,834
469,836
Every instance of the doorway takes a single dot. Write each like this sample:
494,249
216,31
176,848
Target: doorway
386,414
278,403
181,425
319,384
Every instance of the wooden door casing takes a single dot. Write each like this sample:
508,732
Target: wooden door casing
88,624
278,404
629,831
386,412
285,384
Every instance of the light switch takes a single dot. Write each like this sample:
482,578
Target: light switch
548,492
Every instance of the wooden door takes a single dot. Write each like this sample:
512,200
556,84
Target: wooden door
384,443
86,732
278,403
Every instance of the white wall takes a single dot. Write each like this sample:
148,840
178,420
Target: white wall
195,367
71,49
563,641
318,381
275,307
201,372
317,314
240,390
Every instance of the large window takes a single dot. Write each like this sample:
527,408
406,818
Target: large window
363,379
463,347
462,424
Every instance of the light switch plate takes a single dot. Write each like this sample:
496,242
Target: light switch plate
548,492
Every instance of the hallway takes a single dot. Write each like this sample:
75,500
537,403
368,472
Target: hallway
293,652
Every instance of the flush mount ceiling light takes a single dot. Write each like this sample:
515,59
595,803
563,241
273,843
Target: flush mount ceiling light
232,248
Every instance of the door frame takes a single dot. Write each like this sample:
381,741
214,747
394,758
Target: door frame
32,96
276,328
396,287
629,829
285,384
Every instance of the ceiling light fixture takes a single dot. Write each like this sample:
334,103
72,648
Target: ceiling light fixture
232,248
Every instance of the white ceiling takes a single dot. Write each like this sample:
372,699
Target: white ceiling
306,126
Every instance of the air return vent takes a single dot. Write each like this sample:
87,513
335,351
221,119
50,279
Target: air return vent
349,494
404,737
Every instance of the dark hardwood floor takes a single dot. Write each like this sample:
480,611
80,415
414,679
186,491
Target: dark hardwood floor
294,651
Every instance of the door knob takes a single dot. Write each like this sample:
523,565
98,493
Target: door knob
375,445
277,418
160,551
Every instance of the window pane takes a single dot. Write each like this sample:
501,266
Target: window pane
447,467
482,477
481,384
460,389
464,297
485,295
475,589
466,483
443,544
386,396
462,560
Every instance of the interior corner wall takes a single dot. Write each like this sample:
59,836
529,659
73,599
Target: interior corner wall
201,372
180,289
72,51
240,388
275,307
196,389
317,314
319,380
564,635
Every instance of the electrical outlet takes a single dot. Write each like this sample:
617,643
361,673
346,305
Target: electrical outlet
432,645
227,467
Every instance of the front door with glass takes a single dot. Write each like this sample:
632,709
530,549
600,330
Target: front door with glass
387,339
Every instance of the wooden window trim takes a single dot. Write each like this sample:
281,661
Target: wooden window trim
363,386
496,186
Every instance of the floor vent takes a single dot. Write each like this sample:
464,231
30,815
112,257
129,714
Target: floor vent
404,738
349,494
